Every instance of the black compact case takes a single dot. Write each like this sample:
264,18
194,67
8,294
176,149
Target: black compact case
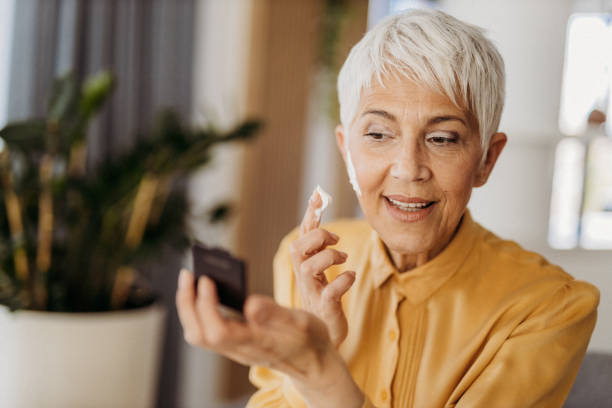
228,273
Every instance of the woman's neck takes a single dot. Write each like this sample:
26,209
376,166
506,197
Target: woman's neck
405,262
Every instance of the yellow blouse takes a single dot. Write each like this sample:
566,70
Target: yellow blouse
483,324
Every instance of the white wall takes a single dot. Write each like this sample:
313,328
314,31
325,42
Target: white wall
515,202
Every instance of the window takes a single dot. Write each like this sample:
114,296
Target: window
587,71
581,203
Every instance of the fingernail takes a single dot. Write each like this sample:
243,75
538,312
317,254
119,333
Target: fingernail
334,236
344,255
352,273
183,278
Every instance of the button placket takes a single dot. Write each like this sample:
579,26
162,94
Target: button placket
391,357
384,396
392,334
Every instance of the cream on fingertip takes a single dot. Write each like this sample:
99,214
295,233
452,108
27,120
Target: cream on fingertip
325,199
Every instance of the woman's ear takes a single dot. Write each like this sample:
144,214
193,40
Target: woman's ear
496,145
340,140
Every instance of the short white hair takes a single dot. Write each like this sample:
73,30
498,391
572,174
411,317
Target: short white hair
435,49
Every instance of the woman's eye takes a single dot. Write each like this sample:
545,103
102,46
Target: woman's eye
376,135
442,139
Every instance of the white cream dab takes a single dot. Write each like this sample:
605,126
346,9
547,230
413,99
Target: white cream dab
325,198
350,168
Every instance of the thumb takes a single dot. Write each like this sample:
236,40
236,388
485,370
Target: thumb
338,287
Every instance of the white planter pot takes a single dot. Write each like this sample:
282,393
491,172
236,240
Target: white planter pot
107,359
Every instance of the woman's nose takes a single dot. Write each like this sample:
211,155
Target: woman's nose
410,163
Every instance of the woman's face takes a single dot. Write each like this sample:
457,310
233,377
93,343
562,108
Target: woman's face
416,158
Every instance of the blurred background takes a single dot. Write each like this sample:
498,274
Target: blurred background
217,62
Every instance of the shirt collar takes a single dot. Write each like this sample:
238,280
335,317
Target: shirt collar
420,283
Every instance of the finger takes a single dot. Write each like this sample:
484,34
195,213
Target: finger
310,221
262,310
219,332
185,306
335,289
312,242
207,302
314,266
191,321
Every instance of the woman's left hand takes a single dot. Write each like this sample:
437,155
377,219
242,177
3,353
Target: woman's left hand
311,256
291,341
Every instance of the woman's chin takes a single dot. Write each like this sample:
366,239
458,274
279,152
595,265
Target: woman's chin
407,244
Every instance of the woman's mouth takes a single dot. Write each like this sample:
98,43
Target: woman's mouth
409,209
406,206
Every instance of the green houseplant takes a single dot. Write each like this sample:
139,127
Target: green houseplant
72,235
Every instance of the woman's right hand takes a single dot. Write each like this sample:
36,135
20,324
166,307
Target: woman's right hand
292,341
311,256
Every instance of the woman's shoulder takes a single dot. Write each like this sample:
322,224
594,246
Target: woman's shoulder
507,260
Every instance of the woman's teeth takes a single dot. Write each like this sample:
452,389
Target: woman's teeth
408,206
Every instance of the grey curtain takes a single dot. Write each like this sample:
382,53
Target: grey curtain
148,45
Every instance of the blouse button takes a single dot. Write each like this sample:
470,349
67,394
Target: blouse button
392,335
384,395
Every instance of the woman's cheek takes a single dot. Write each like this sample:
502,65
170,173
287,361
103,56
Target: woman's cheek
457,186
370,171
456,174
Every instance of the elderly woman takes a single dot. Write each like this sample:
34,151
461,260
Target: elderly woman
417,305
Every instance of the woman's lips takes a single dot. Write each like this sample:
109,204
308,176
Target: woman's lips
405,199
408,214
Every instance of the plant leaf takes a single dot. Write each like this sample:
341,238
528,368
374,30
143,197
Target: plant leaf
95,92
27,135
245,130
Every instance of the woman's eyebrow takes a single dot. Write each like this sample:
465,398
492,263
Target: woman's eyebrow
379,112
432,121
439,119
